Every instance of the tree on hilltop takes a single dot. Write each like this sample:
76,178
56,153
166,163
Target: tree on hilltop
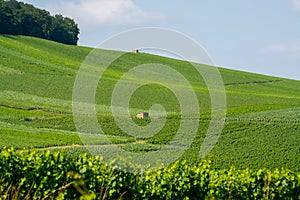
18,18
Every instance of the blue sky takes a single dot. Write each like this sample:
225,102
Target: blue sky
261,36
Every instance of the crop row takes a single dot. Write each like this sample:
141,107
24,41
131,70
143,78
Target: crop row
38,175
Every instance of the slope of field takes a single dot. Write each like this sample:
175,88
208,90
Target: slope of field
37,78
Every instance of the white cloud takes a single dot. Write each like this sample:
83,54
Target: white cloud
296,5
103,12
282,48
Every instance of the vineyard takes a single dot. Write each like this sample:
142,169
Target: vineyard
45,175
261,129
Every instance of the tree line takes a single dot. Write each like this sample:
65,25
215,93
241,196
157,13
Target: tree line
18,18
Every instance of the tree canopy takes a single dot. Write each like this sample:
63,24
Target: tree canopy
18,18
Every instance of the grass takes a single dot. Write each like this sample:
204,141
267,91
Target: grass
36,85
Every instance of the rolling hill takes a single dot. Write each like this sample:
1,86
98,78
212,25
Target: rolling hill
37,77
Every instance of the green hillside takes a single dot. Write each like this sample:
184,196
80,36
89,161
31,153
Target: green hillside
36,83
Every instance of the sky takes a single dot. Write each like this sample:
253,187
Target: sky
261,36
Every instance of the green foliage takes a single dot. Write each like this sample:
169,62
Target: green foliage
64,30
18,18
40,175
